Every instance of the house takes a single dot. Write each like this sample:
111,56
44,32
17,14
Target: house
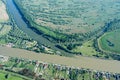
3,58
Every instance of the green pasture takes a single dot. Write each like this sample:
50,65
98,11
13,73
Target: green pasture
110,41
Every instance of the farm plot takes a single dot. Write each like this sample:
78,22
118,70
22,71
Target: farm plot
4,75
3,14
70,16
3,18
4,29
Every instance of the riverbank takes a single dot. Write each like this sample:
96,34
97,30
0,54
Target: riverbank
25,27
81,62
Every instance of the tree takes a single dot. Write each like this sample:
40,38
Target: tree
70,46
73,75
6,76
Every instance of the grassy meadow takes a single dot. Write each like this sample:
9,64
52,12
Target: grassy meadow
4,29
70,16
86,49
11,76
110,41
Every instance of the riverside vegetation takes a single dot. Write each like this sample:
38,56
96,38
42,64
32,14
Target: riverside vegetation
12,36
74,23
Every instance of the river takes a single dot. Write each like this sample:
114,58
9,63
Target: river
79,61
13,11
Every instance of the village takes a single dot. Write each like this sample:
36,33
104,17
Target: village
39,70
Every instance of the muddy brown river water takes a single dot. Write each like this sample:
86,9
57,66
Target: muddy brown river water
79,61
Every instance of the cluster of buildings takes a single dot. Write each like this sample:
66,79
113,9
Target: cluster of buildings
69,70
3,58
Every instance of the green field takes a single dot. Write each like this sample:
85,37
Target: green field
110,41
4,29
71,17
11,76
86,49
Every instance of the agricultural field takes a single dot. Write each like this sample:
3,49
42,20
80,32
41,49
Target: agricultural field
4,22
4,28
110,41
4,75
14,37
70,16
3,14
